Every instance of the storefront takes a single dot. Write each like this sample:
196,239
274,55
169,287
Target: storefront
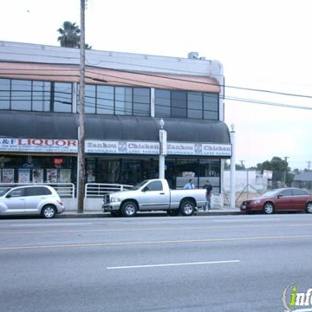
126,95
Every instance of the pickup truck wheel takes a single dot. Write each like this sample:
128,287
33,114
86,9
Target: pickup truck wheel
187,208
129,209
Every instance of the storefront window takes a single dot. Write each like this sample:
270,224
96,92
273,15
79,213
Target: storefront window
38,169
186,169
210,169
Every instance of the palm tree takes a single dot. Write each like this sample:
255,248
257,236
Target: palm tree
70,35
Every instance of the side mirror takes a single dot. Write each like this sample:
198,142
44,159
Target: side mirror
145,188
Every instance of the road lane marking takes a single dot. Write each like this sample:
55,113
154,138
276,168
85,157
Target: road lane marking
159,242
150,229
142,266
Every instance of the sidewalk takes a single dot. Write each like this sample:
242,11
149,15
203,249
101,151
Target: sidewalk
99,214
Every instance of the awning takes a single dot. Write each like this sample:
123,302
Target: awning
108,127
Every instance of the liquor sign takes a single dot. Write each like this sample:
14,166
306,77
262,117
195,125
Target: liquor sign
38,145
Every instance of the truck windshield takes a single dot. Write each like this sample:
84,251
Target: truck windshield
137,186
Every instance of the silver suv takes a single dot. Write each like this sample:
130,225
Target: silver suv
31,200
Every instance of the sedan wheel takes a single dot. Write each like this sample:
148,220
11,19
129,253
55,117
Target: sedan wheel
268,208
48,212
129,209
309,208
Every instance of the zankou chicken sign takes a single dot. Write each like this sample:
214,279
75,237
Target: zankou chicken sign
112,147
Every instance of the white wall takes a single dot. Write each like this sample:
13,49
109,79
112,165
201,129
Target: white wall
252,178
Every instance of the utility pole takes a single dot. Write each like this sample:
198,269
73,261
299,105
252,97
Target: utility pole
285,174
81,128
233,169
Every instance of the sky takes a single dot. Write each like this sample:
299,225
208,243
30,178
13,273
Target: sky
264,46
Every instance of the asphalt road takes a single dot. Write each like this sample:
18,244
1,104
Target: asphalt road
204,263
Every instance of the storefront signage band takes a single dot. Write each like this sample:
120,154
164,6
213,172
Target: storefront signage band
112,147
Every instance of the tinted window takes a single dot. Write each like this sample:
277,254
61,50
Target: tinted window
286,193
37,191
179,104
105,100
5,93
41,96
62,97
211,106
123,101
299,192
194,105
141,102
21,94
155,186
90,99
162,103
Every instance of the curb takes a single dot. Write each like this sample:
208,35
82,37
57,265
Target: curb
100,214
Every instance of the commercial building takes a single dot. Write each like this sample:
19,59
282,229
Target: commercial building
126,96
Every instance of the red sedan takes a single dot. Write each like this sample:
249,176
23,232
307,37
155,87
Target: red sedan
283,199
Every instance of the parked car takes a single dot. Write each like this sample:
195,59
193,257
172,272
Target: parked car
282,199
31,200
153,195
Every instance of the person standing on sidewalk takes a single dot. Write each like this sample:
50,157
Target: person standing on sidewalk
190,185
208,188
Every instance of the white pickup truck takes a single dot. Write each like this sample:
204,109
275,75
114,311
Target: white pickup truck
154,195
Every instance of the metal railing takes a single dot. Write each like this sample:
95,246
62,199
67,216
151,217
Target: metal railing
99,189
67,190
63,189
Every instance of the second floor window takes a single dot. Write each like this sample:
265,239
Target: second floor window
109,100
44,96
186,104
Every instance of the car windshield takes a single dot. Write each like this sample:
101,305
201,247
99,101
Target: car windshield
4,190
137,186
271,193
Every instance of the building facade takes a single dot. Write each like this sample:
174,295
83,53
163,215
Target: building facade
126,95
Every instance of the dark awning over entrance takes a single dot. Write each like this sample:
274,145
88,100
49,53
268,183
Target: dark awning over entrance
100,127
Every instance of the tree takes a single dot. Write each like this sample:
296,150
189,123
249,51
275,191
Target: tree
70,36
280,170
